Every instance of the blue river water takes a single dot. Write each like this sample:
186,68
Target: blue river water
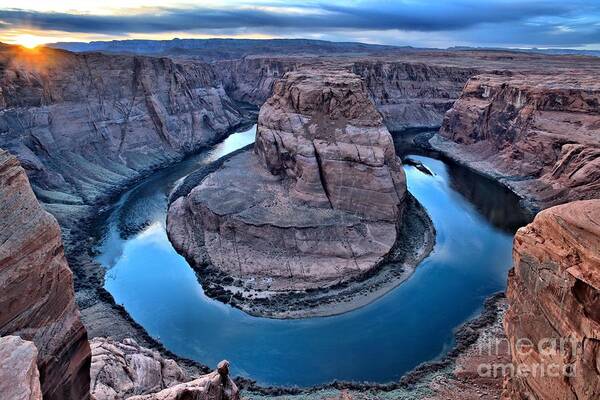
380,342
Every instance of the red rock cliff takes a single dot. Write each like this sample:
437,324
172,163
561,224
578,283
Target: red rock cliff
539,133
553,323
37,301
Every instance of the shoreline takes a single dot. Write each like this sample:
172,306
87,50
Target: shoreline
78,249
451,151
414,243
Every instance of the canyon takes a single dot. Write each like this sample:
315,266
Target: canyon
85,126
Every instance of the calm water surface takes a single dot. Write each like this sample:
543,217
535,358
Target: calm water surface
380,342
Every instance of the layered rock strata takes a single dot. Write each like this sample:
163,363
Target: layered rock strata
19,375
36,286
408,94
82,125
317,204
412,94
553,323
540,134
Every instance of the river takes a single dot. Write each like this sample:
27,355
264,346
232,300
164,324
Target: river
474,220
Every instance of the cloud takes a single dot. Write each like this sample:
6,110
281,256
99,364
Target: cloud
533,22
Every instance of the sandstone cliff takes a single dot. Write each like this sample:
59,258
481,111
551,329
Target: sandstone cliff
82,125
36,286
553,323
320,129
319,202
540,134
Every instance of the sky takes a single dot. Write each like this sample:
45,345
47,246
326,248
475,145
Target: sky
488,23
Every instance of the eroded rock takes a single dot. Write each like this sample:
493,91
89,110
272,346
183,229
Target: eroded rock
214,386
123,369
553,323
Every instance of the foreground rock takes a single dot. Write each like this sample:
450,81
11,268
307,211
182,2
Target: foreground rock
126,370
317,205
123,369
214,386
540,134
19,375
36,286
553,323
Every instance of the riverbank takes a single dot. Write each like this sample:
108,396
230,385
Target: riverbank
438,379
125,316
416,239
82,232
516,184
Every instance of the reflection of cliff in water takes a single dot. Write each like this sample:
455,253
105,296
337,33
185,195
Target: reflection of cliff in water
495,202
498,204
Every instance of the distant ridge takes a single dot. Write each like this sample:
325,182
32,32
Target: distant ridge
213,49
222,49
563,52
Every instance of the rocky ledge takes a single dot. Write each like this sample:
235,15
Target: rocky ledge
539,134
319,204
553,323
126,370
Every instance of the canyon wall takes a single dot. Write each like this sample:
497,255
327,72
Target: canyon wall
540,134
82,125
412,94
36,286
408,94
553,323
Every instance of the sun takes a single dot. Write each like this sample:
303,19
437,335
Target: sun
29,41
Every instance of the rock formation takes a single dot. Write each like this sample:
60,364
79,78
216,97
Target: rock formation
553,323
36,286
82,125
214,386
540,134
408,94
19,375
317,204
125,370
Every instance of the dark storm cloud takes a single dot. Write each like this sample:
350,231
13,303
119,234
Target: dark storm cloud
530,21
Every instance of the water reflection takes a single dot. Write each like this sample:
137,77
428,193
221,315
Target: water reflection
379,342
